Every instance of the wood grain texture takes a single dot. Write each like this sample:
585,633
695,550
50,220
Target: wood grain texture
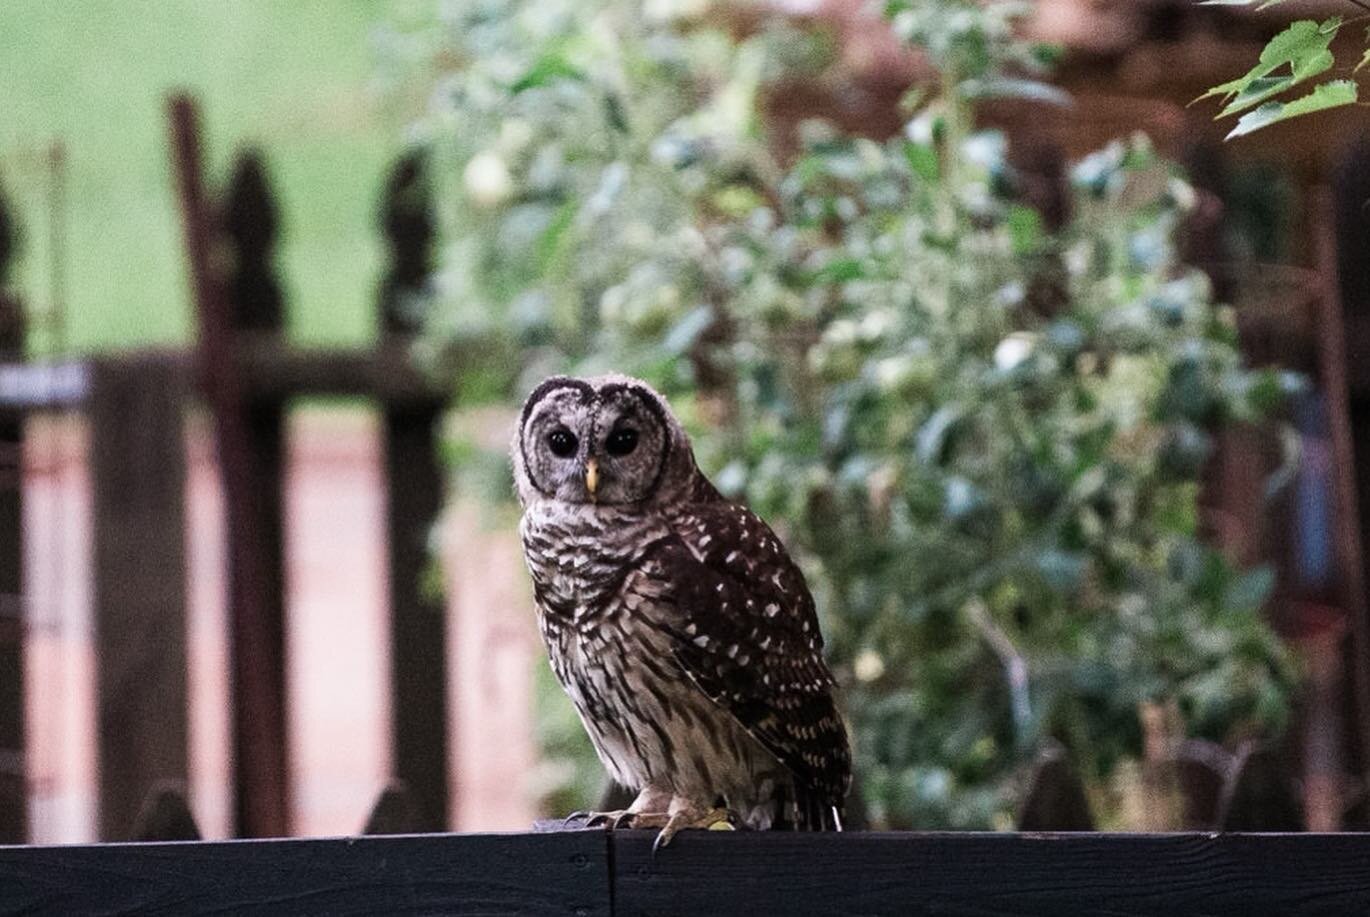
714,873
719,873
564,874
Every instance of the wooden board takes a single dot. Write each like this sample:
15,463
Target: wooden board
1001,874
712,873
435,874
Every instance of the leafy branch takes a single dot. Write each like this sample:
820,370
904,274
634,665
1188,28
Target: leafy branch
1300,53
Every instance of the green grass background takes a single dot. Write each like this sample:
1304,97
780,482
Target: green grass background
297,78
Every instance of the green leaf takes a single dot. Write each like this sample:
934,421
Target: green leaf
840,270
1250,590
1329,95
1025,229
552,243
551,66
1006,88
922,160
1304,48
932,437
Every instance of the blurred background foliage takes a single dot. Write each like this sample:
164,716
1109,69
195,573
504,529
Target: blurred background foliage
982,434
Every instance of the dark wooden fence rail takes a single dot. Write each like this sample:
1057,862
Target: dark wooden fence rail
584,873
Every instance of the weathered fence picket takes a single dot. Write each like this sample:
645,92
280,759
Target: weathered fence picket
414,491
138,487
13,788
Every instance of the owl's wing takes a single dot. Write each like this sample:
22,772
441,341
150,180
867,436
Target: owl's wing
748,637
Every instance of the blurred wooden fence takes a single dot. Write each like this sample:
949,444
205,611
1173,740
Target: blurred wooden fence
246,372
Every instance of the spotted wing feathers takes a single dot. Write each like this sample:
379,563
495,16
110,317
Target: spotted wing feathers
749,639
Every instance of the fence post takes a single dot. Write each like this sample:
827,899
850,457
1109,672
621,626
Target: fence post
256,542
1259,794
13,784
414,483
165,816
260,771
1343,322
394,812
137,460
1055,800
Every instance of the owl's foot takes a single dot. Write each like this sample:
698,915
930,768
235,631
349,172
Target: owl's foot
609,819
708,819
618,818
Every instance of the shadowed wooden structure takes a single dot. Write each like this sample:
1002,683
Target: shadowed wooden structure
247,374
584,873
13,789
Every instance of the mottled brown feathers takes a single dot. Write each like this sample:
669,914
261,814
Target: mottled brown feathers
675,620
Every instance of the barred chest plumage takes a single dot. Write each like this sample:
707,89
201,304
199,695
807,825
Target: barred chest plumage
606,617
578,557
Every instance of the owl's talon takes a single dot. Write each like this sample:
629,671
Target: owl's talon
705,819
609,820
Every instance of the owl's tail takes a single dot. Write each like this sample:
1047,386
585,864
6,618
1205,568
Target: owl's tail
814,811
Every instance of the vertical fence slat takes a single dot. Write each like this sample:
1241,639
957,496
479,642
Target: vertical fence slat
1343,243
255,306
13,785
260,757
394,812
414,483
165,816
1055,800
418,631
138,481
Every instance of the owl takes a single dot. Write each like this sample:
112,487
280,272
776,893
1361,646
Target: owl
675,620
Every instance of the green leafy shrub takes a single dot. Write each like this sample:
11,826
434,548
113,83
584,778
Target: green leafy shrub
982,438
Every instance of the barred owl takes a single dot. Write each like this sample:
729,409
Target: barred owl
675,620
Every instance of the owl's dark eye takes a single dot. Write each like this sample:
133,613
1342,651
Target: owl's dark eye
562,442
621,442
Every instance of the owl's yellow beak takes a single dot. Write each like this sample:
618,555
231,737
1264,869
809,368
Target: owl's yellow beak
591,475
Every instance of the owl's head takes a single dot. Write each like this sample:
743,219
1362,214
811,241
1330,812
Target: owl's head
605,440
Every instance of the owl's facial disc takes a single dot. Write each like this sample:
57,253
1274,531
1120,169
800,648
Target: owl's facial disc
586,445
631,444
